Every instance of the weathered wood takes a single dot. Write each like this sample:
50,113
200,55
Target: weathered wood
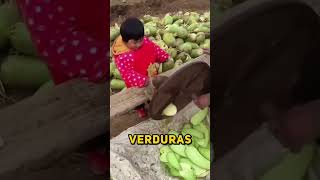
51,123
128,99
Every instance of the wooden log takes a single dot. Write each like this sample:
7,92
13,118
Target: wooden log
52,123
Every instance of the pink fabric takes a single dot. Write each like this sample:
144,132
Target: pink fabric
133,65
72,36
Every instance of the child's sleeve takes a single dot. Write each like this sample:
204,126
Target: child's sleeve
64,41
129,75
162,55
78,57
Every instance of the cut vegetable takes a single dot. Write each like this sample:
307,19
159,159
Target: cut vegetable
169,39
203,128
196,53
182,56
193,26
117,84
195,142
23,72
172,160
114,32
160,69
116,74
205,45
172,52
167,20
169,64
194,46
178,63
200,37
182,33
179,149
187,172
194,155
9,15
170,110
202,29
179,22
192,37
179,41
112,68
193,133
173,171
163,153
204,152
204,174
186,47
196,169
199,116
151,30
20,39
174,28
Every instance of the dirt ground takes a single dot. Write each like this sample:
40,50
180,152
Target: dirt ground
138,8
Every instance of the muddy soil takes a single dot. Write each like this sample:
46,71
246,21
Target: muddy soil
138,8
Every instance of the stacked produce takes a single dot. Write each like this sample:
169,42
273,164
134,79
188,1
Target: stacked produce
192,161
182,35
20,67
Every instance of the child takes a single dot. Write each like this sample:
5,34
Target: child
135,55
72,37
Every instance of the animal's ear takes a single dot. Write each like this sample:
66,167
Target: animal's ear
158,80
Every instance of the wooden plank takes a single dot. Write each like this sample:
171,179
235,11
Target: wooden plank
52,123
122,102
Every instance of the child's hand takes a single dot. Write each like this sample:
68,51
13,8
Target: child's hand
202,101
153,69
206,51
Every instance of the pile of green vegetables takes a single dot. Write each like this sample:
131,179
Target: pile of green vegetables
20,68
192,161
182,35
